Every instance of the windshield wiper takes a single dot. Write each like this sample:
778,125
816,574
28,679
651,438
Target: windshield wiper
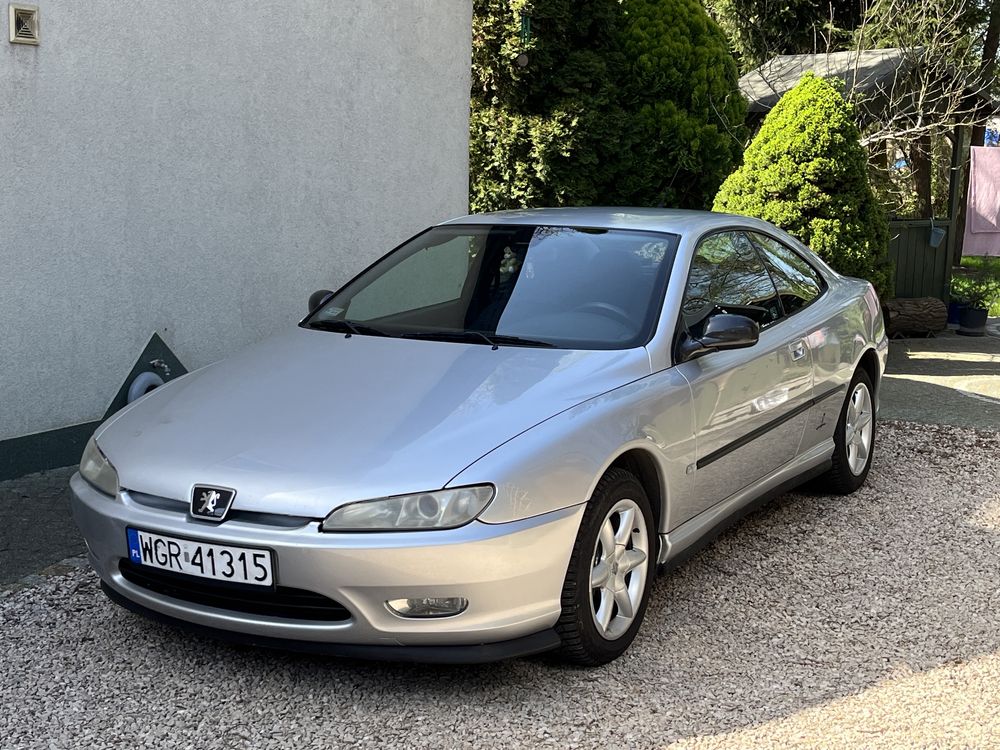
348,326
519,341
493,339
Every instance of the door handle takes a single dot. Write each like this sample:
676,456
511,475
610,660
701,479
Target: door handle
798,350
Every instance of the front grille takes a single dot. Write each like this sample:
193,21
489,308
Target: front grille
181,507
280,601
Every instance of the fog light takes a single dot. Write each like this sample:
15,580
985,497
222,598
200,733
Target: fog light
428,606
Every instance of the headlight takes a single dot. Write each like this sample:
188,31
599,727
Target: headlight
97,470
428,510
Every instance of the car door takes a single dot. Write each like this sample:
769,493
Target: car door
799,286
749,404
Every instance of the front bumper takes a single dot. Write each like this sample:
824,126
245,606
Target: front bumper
536,643
512,574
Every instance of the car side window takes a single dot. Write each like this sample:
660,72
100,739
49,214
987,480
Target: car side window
727,275
798,282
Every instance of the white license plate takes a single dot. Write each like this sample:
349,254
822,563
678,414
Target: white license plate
219,562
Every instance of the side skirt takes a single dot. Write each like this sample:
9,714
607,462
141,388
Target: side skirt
692,536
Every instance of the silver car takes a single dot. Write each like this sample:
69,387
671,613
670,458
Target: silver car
488,442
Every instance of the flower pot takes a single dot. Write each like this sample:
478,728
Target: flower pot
955,312
972,321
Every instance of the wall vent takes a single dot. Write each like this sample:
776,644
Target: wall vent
23,24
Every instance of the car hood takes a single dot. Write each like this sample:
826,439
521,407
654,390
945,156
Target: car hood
309,420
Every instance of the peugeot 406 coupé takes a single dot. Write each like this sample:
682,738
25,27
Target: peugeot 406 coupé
487,443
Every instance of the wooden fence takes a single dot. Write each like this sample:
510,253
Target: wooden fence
921,270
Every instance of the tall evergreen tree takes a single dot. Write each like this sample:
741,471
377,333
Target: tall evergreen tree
578,102
806,172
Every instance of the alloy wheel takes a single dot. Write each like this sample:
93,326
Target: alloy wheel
621,564
859,428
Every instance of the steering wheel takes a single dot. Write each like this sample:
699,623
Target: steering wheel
608,310
754,312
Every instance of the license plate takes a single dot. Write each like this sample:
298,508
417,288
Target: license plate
219,562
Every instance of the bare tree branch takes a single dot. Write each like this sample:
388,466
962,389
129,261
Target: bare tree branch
939,83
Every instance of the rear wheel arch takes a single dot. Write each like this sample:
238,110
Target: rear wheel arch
869,363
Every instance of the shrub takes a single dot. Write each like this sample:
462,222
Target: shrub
806,172
620,103
978,283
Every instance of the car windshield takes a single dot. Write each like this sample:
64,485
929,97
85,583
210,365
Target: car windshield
513,285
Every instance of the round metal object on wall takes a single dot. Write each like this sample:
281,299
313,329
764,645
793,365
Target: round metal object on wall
143,384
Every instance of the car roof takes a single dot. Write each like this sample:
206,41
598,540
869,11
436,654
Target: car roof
675,220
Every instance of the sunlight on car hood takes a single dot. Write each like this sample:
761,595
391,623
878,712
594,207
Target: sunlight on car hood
309,420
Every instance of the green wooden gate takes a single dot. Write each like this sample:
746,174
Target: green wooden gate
921,270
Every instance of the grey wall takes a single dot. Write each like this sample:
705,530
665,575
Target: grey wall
197,169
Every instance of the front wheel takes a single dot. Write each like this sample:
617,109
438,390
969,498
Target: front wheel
854,440
610,572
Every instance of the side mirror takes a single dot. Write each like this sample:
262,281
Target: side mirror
721,332
318,298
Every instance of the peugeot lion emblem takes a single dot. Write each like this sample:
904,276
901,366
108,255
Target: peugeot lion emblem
209,498
211,503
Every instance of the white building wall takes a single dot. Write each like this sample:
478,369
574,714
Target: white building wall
197,169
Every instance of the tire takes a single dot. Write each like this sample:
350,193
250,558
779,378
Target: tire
584,640
849,470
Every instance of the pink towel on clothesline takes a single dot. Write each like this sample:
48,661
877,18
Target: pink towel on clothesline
982,218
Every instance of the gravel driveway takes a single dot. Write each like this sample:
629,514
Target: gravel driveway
872,620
